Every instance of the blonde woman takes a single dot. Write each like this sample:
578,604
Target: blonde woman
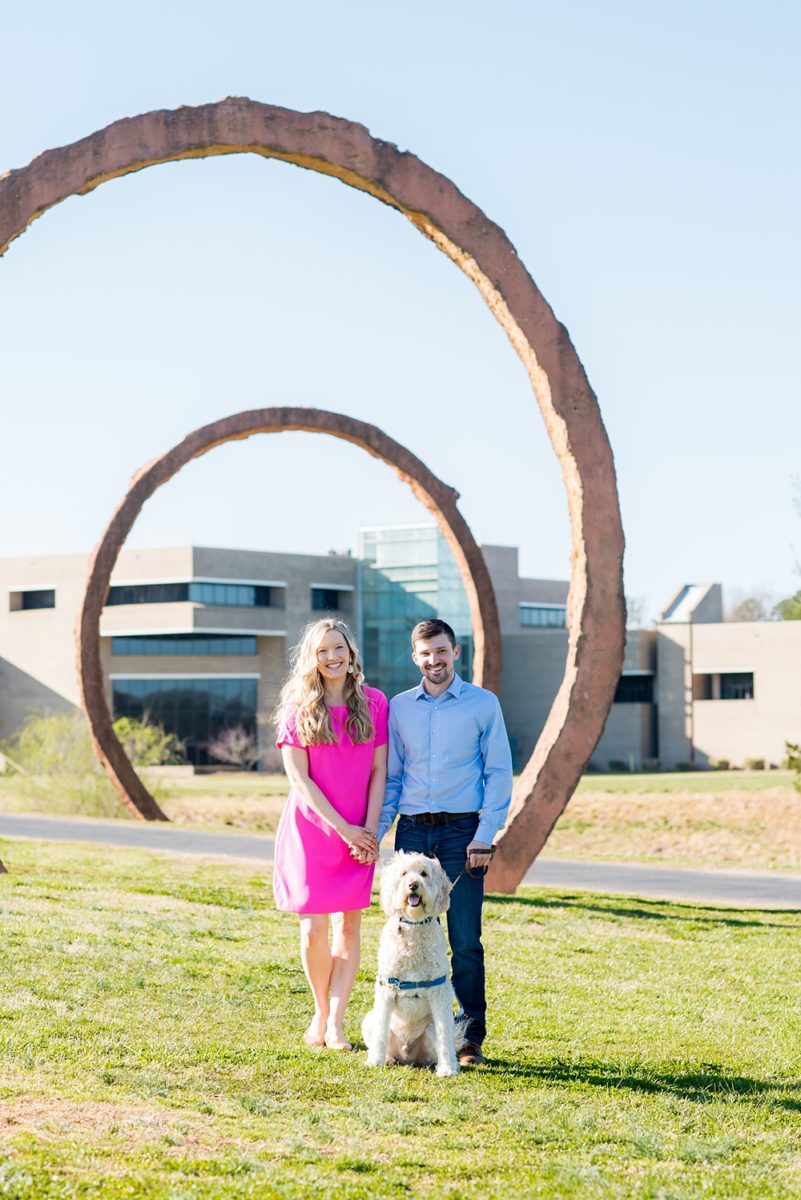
332,731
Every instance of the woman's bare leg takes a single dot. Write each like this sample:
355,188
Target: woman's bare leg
315,954
344,965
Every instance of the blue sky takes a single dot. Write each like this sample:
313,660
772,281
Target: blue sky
643,160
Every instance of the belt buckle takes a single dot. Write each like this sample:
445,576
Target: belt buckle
429,818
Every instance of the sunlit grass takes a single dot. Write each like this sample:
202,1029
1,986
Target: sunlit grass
150,1023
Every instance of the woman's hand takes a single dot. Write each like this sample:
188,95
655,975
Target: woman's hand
364,857
359,839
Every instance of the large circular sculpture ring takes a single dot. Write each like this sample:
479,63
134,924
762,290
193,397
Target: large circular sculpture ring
332,146
437,497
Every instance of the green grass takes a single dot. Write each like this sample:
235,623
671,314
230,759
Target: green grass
687,781
152,1007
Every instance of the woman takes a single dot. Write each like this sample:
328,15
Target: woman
332,731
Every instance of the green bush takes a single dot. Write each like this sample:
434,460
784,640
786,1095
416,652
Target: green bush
57,768
755,764
686,766
794,762
148,745
720,764
617,764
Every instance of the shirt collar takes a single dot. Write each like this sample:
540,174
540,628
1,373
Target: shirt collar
454,689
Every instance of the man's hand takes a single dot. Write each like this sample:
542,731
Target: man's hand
478,854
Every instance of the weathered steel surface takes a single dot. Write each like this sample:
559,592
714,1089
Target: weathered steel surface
332,146
438,498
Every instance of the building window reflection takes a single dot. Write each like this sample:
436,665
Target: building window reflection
185,643
408,574
195,710
242,595
543,616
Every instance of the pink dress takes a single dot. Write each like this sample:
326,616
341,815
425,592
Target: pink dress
314,871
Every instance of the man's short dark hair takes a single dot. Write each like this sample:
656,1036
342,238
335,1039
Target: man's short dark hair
431,629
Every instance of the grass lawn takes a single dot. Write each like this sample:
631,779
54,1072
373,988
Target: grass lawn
152,1008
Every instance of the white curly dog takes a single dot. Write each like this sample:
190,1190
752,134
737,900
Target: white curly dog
412,1018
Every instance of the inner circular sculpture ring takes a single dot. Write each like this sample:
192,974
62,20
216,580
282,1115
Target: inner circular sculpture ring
347,151
437,497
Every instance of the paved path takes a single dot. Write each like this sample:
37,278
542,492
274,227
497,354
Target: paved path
742,889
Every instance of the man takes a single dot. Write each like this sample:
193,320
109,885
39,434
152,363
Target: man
449,780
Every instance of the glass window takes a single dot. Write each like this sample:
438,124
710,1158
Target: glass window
33,598
325,600
185,643
241,595
195,710
635,689
543,616
737,685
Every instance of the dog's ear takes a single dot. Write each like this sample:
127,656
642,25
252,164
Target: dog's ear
444,887
389,880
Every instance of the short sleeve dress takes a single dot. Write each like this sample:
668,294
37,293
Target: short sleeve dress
314,870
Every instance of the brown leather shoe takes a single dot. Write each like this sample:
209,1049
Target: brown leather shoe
470,1055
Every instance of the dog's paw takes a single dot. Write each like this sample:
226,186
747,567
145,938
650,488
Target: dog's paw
445,1069
374,1061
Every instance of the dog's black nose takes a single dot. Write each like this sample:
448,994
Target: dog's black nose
413,887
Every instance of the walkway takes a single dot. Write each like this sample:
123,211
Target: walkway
741,889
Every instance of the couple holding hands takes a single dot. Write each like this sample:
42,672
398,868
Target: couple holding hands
437,757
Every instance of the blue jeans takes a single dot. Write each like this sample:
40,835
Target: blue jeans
449,844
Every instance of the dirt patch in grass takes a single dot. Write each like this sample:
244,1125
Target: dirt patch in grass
251,814
744,829
59,1117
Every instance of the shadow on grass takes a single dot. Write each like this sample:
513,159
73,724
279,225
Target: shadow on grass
654,910
703,1085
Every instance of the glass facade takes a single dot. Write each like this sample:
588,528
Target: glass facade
408,574
196,710
543,616
185,643
242,595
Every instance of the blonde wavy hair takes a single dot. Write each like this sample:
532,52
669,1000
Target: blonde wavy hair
306,691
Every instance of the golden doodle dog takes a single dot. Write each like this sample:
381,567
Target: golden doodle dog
412,1018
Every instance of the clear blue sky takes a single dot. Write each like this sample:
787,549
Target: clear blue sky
644,161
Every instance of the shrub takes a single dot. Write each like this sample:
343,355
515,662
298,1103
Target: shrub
794,762
59,771
617,764
686,766
148,745
650,764
720,764
236,746
755,764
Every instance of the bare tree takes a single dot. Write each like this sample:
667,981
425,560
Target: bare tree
757,604
635,612
237,746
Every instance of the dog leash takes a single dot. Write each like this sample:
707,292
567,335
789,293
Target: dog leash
474,872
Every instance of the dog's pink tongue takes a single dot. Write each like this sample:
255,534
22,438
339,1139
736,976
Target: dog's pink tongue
414,901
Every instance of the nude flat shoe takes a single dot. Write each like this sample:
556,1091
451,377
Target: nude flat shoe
334,1042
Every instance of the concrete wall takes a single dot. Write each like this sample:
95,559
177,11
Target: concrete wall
511,590
37,649
533,666
731,729
630,734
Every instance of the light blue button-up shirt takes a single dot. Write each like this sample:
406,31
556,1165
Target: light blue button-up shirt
448,754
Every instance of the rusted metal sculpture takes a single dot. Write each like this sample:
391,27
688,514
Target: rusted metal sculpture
331,146
438,498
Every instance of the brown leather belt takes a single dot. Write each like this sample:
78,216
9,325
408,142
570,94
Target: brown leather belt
437,818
